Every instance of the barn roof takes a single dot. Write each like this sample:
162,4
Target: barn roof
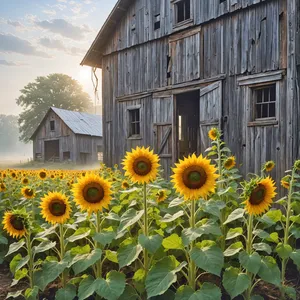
93,56
78,122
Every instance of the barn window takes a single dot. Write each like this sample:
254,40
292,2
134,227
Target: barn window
156,21
134,122
52,125
182,11
265,101
261,94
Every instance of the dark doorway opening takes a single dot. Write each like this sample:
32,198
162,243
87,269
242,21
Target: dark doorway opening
67,156
84,158
52,150
187,123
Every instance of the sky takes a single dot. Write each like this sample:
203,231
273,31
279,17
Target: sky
41,37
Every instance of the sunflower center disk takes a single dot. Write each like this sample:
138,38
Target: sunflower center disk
258,195
57,208
17,223
93,193
142,166
29,192
194,177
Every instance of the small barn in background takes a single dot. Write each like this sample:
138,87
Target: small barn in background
65,135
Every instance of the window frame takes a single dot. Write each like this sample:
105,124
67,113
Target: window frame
252,82
52,122
183,24
131,136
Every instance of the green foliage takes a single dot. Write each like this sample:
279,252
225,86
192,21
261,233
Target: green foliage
37,97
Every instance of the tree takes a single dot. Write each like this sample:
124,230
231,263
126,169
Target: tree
54,90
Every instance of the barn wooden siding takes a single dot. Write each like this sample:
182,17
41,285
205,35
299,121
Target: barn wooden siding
68,141
228,42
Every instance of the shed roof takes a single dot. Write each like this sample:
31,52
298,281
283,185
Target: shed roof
78,122
94,54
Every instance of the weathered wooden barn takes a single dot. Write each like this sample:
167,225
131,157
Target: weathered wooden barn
65,135
172,69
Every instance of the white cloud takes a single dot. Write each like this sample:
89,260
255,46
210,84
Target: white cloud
64,28
6,63
10,43
50,12
15,23
59,45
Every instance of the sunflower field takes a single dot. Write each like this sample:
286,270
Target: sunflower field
206,234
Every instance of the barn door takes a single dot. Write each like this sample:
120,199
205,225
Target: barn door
210,112
163,145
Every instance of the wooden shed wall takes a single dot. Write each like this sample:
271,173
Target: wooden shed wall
251,40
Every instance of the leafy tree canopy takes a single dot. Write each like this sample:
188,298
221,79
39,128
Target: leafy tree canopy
54,90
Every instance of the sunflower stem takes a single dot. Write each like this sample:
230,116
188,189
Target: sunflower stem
62,253
286,231
98,245
192,266
249,251
30,262
146,225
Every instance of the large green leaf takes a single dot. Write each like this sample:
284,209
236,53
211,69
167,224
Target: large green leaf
234,232
190,234
295,256
234,282
173,242
67,293
251,262
210,259
31,294
79,234
82,262
234,249
111,256
46,232
208,291
128,254
214,207
15,247
129,294
44,246
162,275
80,250
272,217
104,238
211,227
87,287
150,243
113,287
14,294
3,240
269,271
235,215
129,218
262,247
170,218
49,272
283,250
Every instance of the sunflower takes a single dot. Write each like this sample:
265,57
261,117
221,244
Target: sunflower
55,208
42,174
28,192
285,182
125,185
229,163
13,174
269,166
2,187
92,193
194,177
141,165
161,196
15,223
25,181
260,196
213,134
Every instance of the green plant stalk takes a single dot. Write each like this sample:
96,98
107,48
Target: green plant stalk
62,253
249,251
30,262
146,226
98,245
220,186
287,229
192,265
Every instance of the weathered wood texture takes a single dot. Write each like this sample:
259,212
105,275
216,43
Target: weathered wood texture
235,38
70,144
